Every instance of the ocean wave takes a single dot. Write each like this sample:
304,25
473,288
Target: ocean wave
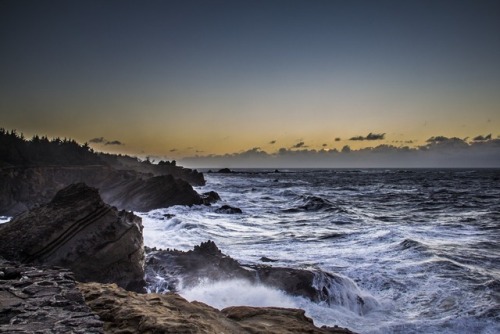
308,203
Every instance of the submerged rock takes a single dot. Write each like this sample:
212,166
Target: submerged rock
128,312
43,300
230,210
77,230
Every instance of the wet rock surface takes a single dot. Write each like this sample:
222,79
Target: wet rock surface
77,230
206,261
42,300
129,312
230,210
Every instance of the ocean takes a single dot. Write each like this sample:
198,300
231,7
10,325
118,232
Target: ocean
421,246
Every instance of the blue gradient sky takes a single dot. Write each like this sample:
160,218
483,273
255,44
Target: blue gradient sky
184,78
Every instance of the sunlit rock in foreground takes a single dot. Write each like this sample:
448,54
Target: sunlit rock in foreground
128,312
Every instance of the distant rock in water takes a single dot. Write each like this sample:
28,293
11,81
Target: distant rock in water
43,300
77,230
226,209
224,171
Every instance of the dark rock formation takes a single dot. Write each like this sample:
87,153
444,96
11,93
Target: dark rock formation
32,171
77,230
210,197
152,193
42,300
128,312
207,261
226,209
225,171
24,188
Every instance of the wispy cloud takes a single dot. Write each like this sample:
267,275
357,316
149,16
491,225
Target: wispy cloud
104,141
482,138
114,142
299,145
370,136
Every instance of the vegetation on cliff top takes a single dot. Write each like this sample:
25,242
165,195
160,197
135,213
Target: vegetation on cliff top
16,150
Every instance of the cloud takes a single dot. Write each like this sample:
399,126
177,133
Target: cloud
324,145
173,150
370,136
114,142
102,140
438,151
272,142
337,139
438,139
97,140
300,145
482,138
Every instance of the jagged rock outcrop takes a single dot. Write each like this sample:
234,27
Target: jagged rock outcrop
43,300
128,312
22,188
77,230
206,261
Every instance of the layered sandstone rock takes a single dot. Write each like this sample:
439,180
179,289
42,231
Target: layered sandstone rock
77,230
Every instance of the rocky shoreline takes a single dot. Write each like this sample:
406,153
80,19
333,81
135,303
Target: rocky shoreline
77,265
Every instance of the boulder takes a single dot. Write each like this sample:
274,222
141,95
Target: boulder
129,312
43,300
210,197
77,230
230,210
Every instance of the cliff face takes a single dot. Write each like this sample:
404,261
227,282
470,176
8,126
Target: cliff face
22,188
77,230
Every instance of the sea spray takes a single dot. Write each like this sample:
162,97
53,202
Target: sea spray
339,290
237,292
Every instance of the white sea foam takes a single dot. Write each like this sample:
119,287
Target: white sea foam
4,219
223,294
419,248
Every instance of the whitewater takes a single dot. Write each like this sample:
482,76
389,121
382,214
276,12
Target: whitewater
422,247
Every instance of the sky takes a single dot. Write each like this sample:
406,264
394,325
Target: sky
258,83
